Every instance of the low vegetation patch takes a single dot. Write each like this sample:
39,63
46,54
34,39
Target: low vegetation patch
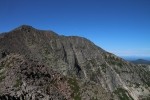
1,66
2,77
123,94
75,88
104,66
18,83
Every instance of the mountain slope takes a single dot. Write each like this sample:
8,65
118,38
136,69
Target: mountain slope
89,71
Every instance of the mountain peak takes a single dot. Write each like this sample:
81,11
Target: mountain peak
24,27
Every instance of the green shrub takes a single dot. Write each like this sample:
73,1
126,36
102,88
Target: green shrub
2,77
18,83
123,94
74,86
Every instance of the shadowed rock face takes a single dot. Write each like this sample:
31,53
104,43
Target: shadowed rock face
47,66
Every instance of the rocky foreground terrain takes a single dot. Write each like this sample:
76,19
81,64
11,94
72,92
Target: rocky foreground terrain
42,65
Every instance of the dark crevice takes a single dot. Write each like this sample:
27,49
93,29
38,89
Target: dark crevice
76,64
8,97
37,75
65,54
4,54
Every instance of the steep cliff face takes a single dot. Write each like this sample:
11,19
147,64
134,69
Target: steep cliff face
83,70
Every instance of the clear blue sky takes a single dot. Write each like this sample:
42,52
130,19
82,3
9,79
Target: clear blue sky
119,26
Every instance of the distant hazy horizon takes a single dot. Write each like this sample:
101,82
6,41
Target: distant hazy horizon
131,58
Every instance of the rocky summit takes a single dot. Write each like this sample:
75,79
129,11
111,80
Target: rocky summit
42,65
